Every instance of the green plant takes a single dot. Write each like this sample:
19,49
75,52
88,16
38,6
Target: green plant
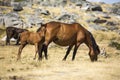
115,44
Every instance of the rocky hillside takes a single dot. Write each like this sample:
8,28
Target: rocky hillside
31,13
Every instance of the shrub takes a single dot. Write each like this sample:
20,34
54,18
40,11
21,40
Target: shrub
115,44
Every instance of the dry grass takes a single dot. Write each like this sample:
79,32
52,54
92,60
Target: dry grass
56,69
106,36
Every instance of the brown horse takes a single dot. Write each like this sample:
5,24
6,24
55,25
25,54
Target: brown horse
31,38
69,35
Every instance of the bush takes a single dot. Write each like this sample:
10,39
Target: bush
115,44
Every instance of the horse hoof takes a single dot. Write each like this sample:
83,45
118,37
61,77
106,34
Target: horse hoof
64,60
34,58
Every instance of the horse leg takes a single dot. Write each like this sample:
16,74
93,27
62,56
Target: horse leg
67,53
75,50
20,50
17,42
36,50
44,48
7,40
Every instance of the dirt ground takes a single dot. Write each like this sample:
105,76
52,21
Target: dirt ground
56,69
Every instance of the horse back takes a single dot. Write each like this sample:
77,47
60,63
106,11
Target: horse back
30,37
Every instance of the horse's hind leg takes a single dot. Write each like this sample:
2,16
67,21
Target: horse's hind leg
20,50
67,53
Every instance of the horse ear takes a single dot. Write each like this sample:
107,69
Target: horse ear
43,24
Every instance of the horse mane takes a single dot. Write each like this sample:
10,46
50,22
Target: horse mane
94,44
42,25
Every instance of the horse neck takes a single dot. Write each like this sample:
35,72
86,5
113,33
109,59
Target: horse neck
91,41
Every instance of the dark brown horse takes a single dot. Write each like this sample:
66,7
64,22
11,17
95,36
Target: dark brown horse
69,35
28,37
13,32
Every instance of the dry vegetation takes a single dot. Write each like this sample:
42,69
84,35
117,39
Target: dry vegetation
56,69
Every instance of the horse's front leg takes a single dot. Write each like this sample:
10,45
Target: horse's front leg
67,53
20,50
8,40
36,50
41,49
18,40
75,50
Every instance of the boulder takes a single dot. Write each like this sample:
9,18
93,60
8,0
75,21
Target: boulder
41,11
98,27
96,8
12,19
100,21
17,6
5,3
112,28
33,20
67,17
1,20
110,23
115,9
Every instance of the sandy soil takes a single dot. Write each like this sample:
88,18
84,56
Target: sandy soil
56,69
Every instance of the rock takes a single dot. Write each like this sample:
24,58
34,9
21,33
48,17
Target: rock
76,1
17,6
86,6
33,20
99,21
112,28
106,16
110,23
42,11
96,8
5,3
67,17
98,27
115,9
12,19
1,20
92,19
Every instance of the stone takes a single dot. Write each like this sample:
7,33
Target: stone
98,27
12,19
110,23
17,6
41,11
96,8
100,21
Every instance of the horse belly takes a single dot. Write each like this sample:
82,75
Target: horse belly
34,38
64,42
